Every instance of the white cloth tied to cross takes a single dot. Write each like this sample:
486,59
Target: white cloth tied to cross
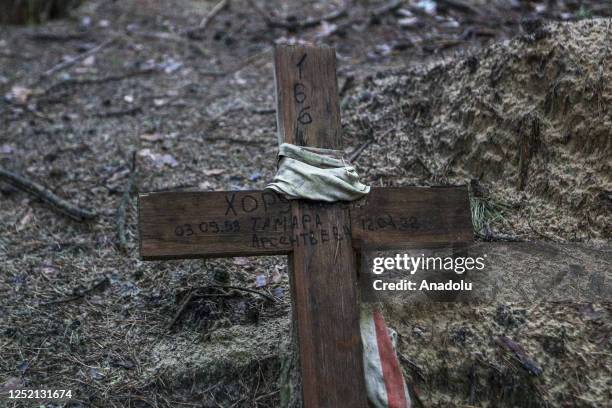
323,175
316,174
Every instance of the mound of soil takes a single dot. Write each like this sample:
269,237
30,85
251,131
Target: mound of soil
529,118
503,354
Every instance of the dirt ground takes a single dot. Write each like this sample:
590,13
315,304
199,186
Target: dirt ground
437,89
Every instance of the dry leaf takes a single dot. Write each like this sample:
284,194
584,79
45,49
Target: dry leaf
89,61
325,29
213,172
19,94
206,185
241,261
408,22
158,159
276,276
25,220
6,149
151,137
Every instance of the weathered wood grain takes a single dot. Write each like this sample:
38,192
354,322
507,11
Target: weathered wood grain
320,238
393,217
386,218
323,275
213,224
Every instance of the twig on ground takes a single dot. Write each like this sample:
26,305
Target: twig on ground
374,15
348,84
192,293
357,152
386,8
194,32
263,111
71,61
171,37
121,211
248,61
180,310
240,288
120,112
298,25
212,73
37,190
259,11
413,366
235,140
61,37
97,286
100,80
33,246
460,5
177,187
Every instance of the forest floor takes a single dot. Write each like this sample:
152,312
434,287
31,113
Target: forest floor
193,108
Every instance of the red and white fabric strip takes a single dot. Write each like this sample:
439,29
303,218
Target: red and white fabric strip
385,383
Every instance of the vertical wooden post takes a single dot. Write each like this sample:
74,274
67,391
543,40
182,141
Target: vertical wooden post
323,271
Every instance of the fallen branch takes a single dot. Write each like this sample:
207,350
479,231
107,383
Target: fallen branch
37,190
248,61
519,354
171,37
180,310
414,367
100,80
194,32
59,37
98,286
298,25
240,288
71,61
121,211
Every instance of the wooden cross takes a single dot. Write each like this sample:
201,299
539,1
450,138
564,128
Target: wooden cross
322,240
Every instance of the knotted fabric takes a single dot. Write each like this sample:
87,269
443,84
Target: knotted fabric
323,174
316,174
